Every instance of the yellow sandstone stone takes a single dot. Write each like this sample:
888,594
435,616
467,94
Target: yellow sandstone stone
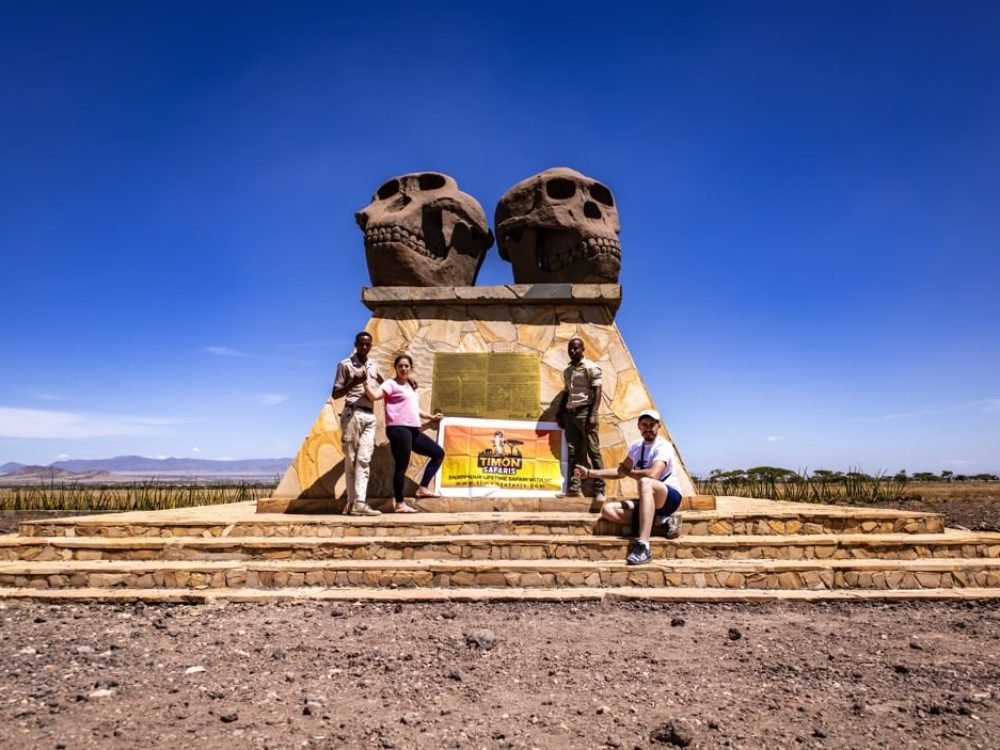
789,580
730,580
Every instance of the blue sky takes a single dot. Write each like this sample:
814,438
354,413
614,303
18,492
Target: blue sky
809,198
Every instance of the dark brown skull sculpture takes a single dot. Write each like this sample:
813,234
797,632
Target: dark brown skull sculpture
559,227
421,230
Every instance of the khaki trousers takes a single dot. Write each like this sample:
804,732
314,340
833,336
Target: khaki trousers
357,429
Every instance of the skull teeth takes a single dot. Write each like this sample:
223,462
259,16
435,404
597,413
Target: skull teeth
590,248
386,237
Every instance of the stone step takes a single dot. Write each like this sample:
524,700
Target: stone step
950,544
766,520
464,504
661,573
424,595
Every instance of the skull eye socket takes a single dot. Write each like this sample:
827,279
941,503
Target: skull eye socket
430,181
388,190
601,194
560,189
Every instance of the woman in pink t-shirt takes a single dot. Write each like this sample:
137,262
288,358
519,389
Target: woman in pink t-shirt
402,427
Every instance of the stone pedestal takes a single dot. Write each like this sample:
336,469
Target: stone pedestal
536,319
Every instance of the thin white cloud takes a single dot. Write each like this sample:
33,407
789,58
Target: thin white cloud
196,449
985,405
66,425
272,399
775,438
990,405
47,396
62,457
320,344
228,351
899,415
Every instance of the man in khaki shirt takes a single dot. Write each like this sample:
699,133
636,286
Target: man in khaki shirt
357,423
577,415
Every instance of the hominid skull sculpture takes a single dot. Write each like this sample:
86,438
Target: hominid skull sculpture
559,227
421,230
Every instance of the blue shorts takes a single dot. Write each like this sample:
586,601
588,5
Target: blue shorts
669,507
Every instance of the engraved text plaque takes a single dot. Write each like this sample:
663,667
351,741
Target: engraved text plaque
487,385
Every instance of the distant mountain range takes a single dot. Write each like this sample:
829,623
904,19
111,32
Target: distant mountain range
141,465
20,471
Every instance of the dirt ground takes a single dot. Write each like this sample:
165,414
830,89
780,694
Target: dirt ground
613,675
622,675
970,505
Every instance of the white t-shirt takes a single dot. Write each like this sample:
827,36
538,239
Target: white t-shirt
643,455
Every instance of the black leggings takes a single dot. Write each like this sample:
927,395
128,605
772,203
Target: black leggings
406,440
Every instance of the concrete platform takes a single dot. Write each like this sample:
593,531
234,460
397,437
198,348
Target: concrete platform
731,516
952,543
426,595
671,573
463,505
740,548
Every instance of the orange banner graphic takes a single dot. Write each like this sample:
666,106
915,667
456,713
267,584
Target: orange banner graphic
501,457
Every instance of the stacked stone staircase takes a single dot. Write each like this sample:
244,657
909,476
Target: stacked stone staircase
730,548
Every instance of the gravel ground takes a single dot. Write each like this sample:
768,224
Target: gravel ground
619,675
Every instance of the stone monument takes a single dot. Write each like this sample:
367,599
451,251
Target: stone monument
559,227
496,352
421,230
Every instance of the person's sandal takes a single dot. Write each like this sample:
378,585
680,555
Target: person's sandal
424,494
404,508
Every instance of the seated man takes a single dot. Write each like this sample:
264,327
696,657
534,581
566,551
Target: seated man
650,461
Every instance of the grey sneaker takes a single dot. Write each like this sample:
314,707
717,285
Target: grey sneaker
639,554
672,526
364,509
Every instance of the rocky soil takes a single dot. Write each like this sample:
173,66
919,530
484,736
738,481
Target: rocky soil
621,675
616,675
971,505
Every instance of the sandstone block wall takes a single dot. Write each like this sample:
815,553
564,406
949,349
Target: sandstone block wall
525,319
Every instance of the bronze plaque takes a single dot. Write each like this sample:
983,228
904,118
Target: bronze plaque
488,385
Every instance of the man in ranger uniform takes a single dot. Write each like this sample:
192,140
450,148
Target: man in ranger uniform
581,401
